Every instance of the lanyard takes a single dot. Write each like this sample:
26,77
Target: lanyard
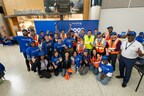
126,47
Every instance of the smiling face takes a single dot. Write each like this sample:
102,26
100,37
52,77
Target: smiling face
74,54
94,52
131,38
33,44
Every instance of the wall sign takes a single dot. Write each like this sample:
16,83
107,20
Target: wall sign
27,11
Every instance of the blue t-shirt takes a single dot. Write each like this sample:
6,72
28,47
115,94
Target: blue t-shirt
32,52
48,47
106,68
77,60
24,42
59,47
81,36
140,39
69,42
55,59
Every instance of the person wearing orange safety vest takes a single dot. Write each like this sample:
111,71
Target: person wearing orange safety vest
88,41
113,48
33,35
107,34
95,60
80,46
100,44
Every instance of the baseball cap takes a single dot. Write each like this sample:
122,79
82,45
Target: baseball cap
113,33
104,57
141,33
85,50
41,53
98,33
133,33
109,27
24,30
59,37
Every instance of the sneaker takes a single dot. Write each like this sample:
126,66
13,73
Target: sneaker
124,84
119,77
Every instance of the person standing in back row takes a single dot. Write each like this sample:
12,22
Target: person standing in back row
130,50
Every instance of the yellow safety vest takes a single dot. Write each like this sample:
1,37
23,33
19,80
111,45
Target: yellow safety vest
88,41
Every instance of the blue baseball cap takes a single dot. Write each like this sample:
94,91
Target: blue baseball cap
59,37
41,53
109,27
98,33
85,50
132,33
141,33
104,57
32,41
113,33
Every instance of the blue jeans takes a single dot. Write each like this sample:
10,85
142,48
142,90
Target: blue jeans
105,80
95,70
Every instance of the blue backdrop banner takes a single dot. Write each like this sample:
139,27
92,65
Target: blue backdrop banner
76,25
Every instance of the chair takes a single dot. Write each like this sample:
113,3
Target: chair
140,69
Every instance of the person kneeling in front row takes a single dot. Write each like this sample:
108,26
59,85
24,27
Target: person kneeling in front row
105,71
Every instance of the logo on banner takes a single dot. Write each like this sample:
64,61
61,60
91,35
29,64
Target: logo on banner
77,30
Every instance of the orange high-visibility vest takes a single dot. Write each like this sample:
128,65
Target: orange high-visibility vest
80,48
113,45
96,61
100,49
107,36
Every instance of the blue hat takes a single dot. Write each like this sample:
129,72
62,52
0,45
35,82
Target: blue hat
141,33
109,27
98,33
41,53
133,33
104,57
59,37
113,33
32,41
24,30
31,29
85,50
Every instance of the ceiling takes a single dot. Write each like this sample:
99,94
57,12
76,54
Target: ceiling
109,4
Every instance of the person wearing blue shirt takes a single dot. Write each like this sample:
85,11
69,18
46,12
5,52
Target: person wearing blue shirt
56,62
48,47
86,63
76,60
60,46
105,71
23,41
82,33
140,38
2,69
32,52
69,43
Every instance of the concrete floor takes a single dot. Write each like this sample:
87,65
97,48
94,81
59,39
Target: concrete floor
19,82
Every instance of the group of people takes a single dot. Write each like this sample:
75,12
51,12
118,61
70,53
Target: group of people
79,53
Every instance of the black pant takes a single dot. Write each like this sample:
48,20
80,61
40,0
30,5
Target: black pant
125,68
26,61
45,73
112,60
57,70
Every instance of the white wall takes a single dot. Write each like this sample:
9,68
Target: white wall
122,19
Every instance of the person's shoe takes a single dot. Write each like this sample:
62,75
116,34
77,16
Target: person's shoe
119,77
40,76
124,84
28,70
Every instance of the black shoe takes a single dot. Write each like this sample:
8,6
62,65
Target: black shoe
40,76
124,84
28,70
119,77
